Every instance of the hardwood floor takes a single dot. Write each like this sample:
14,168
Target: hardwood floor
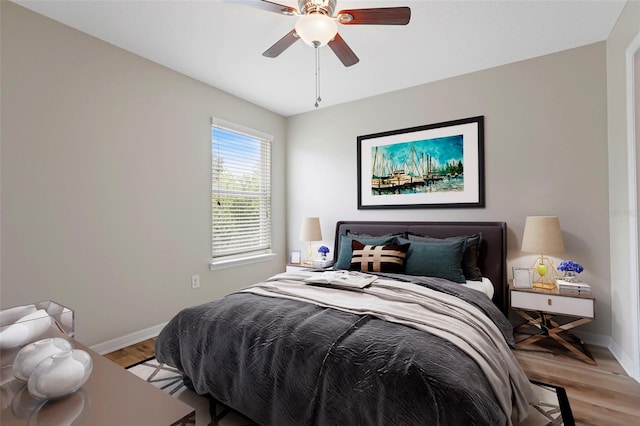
133,354
599,395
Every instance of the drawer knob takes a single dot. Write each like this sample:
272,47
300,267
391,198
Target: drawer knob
549,301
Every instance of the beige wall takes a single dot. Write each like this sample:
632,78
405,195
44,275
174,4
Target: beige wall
545,154
105,174
624,279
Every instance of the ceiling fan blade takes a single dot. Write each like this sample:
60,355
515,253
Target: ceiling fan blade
343,51
282,44
375,16
270,6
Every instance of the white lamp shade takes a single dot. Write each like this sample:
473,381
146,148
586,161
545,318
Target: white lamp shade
310,229
316,29
542,235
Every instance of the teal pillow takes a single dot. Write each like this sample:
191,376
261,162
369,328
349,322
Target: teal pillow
470,267
442,259
345,254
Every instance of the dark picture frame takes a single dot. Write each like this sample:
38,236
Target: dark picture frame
437,165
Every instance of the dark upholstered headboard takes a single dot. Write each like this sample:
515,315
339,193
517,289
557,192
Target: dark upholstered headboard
493,252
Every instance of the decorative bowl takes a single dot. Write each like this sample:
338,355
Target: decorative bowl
60,374
31,355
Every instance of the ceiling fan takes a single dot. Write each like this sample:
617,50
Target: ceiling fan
317,25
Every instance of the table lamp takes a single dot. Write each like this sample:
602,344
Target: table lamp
310,231
542,235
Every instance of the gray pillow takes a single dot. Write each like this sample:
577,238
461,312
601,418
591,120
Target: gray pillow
471,253
442,259
345,253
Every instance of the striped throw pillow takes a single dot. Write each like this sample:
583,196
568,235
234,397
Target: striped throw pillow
368,258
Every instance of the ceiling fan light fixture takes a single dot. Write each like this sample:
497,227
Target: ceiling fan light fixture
345,18
316,29
326,7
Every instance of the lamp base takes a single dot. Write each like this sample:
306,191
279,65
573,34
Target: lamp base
544,273
545,285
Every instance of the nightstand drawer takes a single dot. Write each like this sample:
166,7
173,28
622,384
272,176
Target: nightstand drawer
297,268
553,303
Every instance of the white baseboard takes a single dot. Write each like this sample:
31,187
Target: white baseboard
606,341
624,359
594,339
128,340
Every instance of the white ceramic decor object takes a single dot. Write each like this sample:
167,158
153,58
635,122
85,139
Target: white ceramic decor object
30,356
11,315
60,374
25,330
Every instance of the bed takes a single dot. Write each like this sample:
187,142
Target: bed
408,349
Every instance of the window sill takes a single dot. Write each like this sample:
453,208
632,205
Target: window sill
214,266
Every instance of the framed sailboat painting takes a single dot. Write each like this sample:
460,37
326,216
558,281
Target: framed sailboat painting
432,166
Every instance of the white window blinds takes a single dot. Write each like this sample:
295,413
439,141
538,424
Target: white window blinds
240,194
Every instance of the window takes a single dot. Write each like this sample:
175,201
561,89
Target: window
240,193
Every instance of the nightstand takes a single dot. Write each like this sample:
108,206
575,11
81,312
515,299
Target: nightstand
297,267
546,305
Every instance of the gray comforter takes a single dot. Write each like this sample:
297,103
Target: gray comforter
284,361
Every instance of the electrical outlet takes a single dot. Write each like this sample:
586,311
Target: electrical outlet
195,281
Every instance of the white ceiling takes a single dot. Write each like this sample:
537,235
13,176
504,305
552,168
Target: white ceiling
220,42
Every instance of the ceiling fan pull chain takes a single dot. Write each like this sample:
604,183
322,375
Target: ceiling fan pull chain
318,98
